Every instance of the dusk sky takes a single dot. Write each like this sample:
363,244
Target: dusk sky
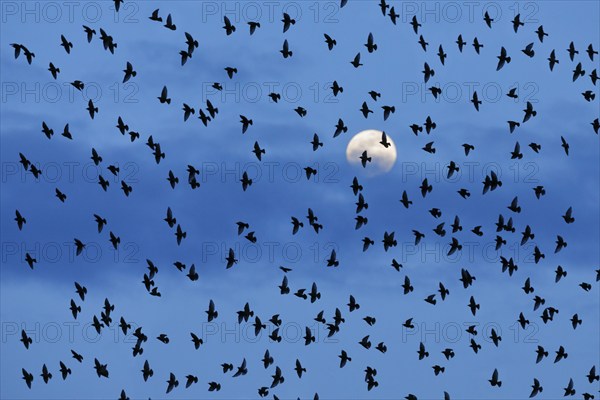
37,299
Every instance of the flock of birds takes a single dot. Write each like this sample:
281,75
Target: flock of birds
504,225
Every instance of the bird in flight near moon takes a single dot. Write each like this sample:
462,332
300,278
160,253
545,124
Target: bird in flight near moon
300,200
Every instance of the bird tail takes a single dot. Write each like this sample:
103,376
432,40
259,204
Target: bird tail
168,101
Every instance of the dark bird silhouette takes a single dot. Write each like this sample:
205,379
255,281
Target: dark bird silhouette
89,32
461,43
26,340
370,45
475,100
66,44
101,369
172,383
495,381
27,377
536,388
516,22
590,51
356,61
503,59
169,23
53,70
330,42
552,60
528,50
488,20
129,72
285,51
253,25
287,22
476,45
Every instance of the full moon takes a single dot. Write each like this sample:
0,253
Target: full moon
382,159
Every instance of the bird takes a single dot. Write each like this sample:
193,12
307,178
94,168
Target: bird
475,100
53,70
231,71
129,72
364,159
331,43
528,50
27,377
569,390
578,72
246,122
503,59
344,359
427,72
536,388
591,52
231,260
163,98
488,20
172,383
258,152
299,369
552,60
516,22
564,145
66,44
540,33
169,23
495,381
92,110
101,369
356,61
460,43
287,22
370,45
285,51
477,45
246,182
365,110
89,32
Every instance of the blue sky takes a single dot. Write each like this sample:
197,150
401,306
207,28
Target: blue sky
38,301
